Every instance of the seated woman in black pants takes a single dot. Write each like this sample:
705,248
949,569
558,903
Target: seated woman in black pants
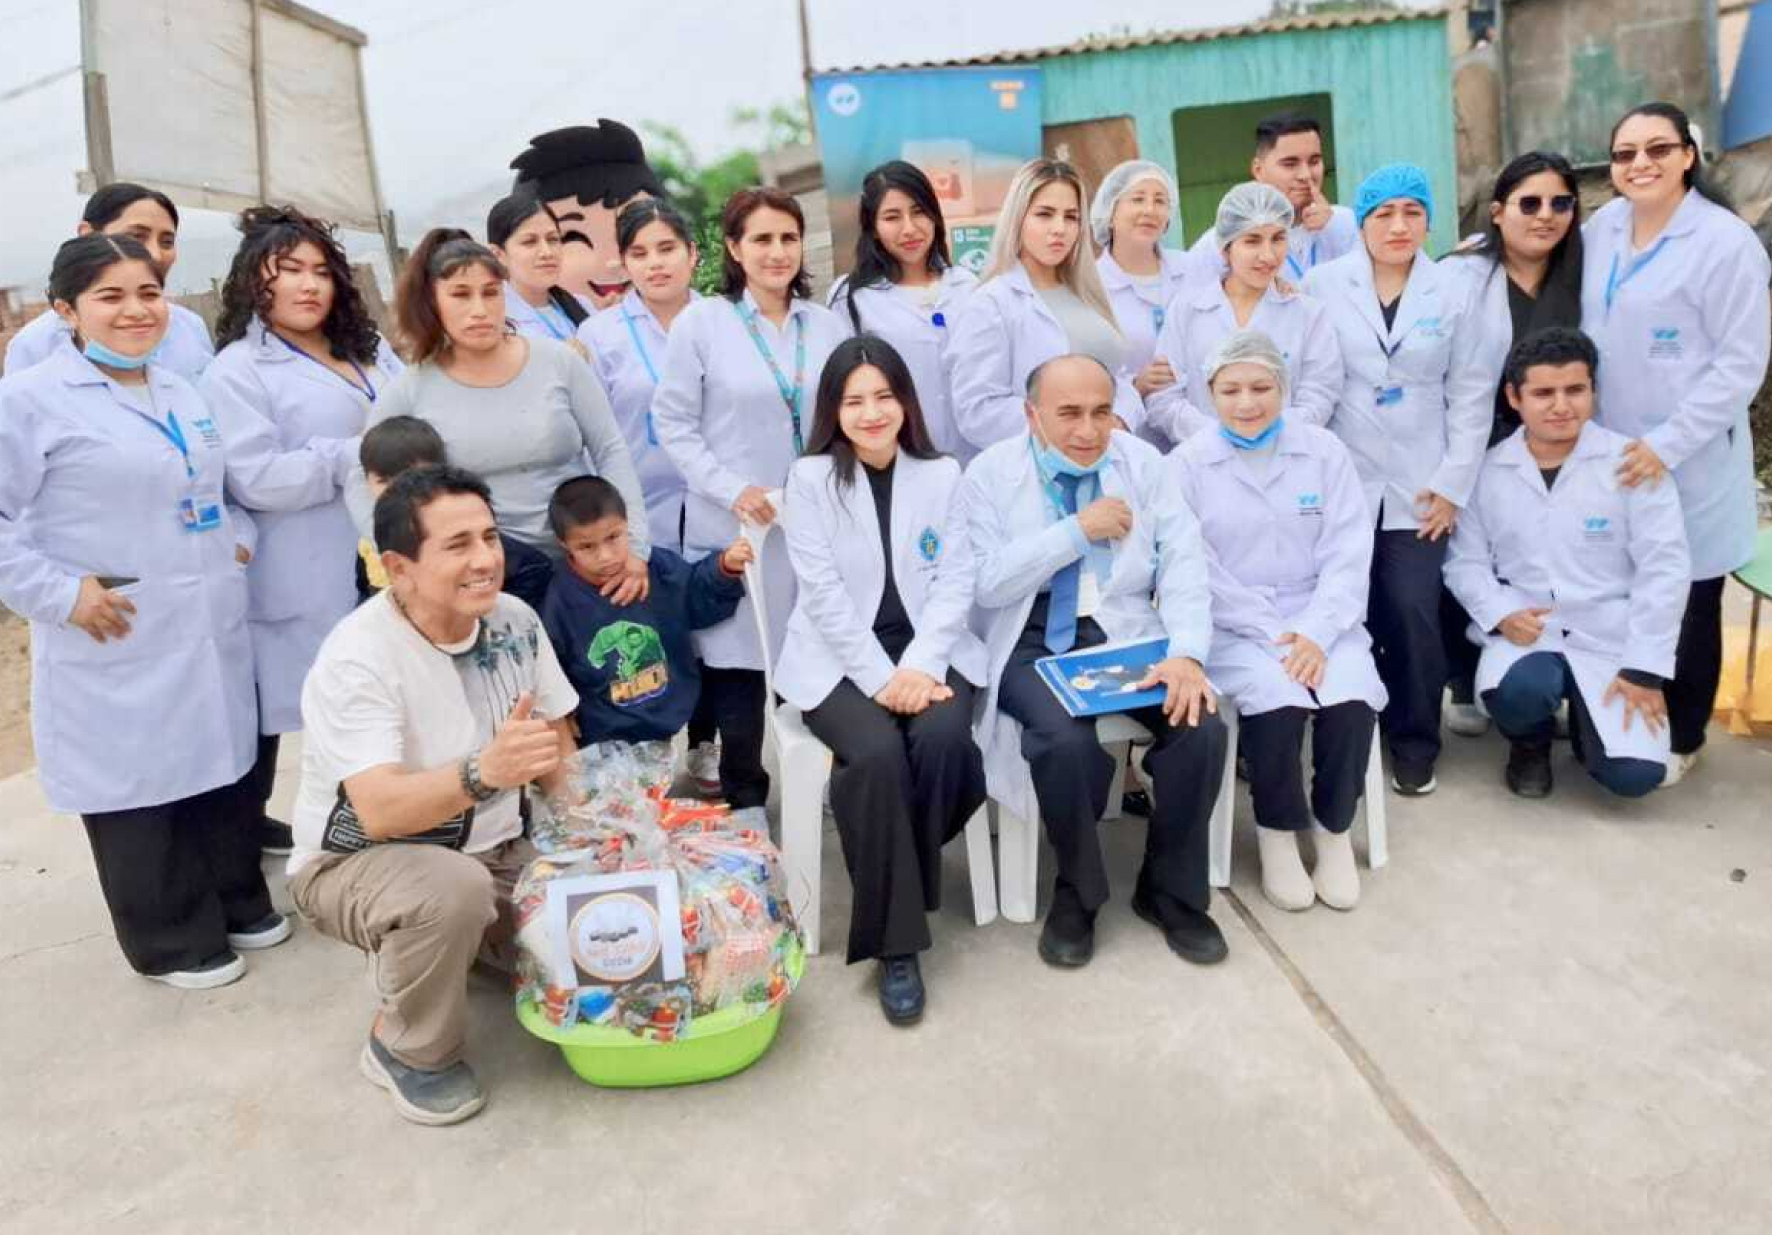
878,656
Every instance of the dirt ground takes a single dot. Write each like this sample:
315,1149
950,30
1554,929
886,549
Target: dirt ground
15,694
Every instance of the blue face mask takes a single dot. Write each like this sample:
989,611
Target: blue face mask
1055,462
1252,443
98,353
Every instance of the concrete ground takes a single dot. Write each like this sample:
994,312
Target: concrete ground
1544,1017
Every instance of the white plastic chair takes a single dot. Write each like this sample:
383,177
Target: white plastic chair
805,766
1224,810
1018,839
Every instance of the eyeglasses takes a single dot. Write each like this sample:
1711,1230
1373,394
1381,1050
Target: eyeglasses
1657,151
1532,203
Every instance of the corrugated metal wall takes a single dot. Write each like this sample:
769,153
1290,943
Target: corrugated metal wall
1391,84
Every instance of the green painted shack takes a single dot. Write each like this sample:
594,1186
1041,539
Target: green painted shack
1380,81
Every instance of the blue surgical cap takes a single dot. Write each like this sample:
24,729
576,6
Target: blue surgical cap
1390,182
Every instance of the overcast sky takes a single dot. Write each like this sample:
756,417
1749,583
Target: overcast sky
457,87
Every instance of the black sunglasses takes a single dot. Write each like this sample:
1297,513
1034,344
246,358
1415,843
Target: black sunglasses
1532,203
1624,156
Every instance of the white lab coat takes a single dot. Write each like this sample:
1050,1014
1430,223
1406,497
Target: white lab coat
922,342
1289,550
186,350
721,419
840,574
1143,310
533,323
630,375
1017,548
1005,333
1487,333
1683,350
1305,249
89,485
1414,409
291,428
1198,321
1609,562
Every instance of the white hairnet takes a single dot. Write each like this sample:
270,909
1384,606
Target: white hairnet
1250,205
1247,347
1114,186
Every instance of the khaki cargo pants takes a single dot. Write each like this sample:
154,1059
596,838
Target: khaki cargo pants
422,912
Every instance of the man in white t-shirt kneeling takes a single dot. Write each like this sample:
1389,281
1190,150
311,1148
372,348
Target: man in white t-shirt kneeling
428,710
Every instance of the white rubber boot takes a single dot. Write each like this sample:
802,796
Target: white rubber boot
1283,880
1336,877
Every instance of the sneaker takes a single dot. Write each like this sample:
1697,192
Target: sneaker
1678,766
218,970
1528,772
1190,934
703,766
1467,720
901,989
267,932
275,837
1411,784
446,1096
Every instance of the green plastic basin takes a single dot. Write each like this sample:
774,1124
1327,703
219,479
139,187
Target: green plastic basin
715,1045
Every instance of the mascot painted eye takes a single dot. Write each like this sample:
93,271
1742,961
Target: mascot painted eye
585,174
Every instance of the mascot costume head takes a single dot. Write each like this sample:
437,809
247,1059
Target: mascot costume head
585,174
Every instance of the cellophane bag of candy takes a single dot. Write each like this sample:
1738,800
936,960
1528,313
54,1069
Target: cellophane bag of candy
738,928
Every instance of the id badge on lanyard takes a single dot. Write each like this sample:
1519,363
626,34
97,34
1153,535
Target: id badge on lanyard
200,508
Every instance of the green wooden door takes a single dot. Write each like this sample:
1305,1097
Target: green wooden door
1213,147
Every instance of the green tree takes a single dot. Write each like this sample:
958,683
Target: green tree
700,189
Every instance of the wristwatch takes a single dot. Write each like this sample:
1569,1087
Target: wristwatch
471,784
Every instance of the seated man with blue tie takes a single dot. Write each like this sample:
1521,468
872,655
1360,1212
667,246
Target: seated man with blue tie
1077,544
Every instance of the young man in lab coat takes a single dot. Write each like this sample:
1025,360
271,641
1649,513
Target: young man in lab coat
1576,582
1289,156
1075,536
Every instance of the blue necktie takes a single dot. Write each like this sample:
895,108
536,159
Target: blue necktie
1061,602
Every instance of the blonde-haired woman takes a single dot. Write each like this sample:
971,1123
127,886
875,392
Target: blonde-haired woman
1040,296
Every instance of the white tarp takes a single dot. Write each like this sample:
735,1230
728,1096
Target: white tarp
178,81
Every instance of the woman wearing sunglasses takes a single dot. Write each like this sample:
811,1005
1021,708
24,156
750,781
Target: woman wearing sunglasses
1522,275
1674,291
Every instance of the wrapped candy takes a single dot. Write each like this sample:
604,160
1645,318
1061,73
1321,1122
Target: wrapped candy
732,910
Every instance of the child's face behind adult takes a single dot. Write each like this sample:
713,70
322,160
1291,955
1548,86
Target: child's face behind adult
598,551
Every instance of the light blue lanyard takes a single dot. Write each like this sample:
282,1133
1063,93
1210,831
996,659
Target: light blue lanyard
1615,284
547,315
651,371
367,389
173,432
790,395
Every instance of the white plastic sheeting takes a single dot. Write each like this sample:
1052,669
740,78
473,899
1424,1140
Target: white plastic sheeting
179,99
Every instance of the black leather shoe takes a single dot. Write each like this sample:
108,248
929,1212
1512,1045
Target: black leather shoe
901,989
1191,935
1137,803
1529,769
275,837
1068,938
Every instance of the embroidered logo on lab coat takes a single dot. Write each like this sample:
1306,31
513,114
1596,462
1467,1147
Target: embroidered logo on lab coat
1430,327
207,430
1310,504
1597,529
929,545
1664,343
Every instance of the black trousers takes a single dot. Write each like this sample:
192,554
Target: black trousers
701,721
1403,614
734,700
901,788
1461,653
1698,666
263,777
1072,775
178,877
1341,743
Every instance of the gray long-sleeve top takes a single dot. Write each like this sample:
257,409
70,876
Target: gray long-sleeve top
543,427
